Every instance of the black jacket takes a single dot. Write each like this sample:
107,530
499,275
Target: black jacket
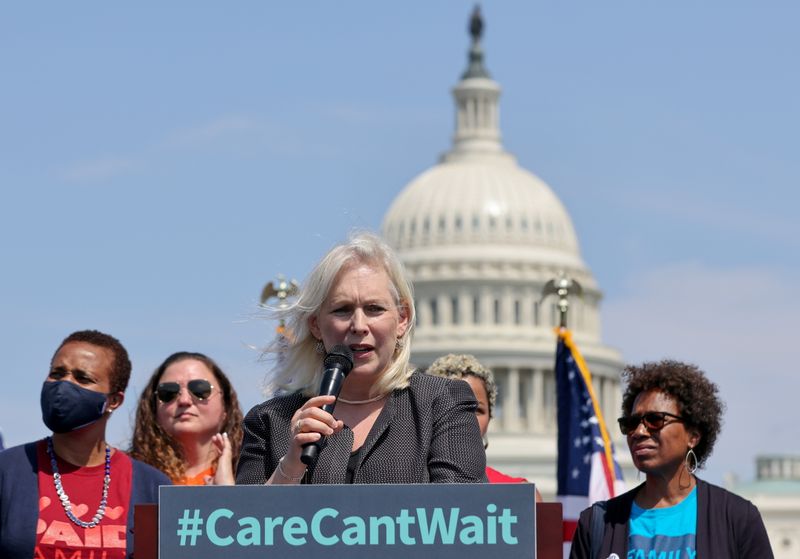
425,433
728,527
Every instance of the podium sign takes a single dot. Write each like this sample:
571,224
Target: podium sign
458,521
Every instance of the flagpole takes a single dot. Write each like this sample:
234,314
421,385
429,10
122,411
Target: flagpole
562,286
586,470
279,289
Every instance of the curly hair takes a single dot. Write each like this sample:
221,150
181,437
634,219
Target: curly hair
463,365
151,443
121,369
696,396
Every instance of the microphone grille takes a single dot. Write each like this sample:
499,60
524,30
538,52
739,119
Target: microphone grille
340,355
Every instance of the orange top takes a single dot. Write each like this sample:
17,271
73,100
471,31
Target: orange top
197,479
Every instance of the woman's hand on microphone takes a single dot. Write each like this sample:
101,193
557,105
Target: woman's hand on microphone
310,423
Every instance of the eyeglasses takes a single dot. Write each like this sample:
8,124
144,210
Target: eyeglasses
653,420
200,389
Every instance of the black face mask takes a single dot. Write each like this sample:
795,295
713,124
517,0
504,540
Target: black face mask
67,407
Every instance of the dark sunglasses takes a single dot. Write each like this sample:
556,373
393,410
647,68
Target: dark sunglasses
653,420
200,389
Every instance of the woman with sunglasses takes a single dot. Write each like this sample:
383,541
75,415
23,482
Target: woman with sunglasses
481,381
188,422
671,418
389,425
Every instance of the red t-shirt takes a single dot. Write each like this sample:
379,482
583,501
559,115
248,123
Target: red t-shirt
499,477
57,537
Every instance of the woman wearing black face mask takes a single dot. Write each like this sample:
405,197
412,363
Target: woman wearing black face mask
71,493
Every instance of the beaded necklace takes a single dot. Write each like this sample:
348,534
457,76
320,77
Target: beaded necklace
62,495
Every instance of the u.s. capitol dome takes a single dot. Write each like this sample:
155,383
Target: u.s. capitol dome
480,236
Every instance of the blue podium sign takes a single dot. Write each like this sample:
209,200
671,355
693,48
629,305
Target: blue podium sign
438,521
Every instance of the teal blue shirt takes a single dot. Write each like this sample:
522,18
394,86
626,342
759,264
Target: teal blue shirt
668,533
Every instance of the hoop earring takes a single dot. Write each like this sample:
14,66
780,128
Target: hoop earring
691,461
319,347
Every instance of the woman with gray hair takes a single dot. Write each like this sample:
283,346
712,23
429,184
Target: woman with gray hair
481,380
390,425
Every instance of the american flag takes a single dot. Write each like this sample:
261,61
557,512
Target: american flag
587,470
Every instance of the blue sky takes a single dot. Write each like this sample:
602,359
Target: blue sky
160,162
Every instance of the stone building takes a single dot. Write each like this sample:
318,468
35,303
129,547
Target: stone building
776,493
480,236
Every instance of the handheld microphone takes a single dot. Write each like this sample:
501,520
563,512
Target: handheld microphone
338,363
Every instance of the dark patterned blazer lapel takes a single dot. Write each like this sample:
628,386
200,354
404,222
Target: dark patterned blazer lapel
334,453
382,423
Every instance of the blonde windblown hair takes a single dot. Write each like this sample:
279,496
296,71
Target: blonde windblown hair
298,365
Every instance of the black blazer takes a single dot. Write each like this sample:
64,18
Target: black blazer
728,527
425,433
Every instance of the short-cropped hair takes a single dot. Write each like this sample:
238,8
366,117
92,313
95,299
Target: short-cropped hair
121,367
464,365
